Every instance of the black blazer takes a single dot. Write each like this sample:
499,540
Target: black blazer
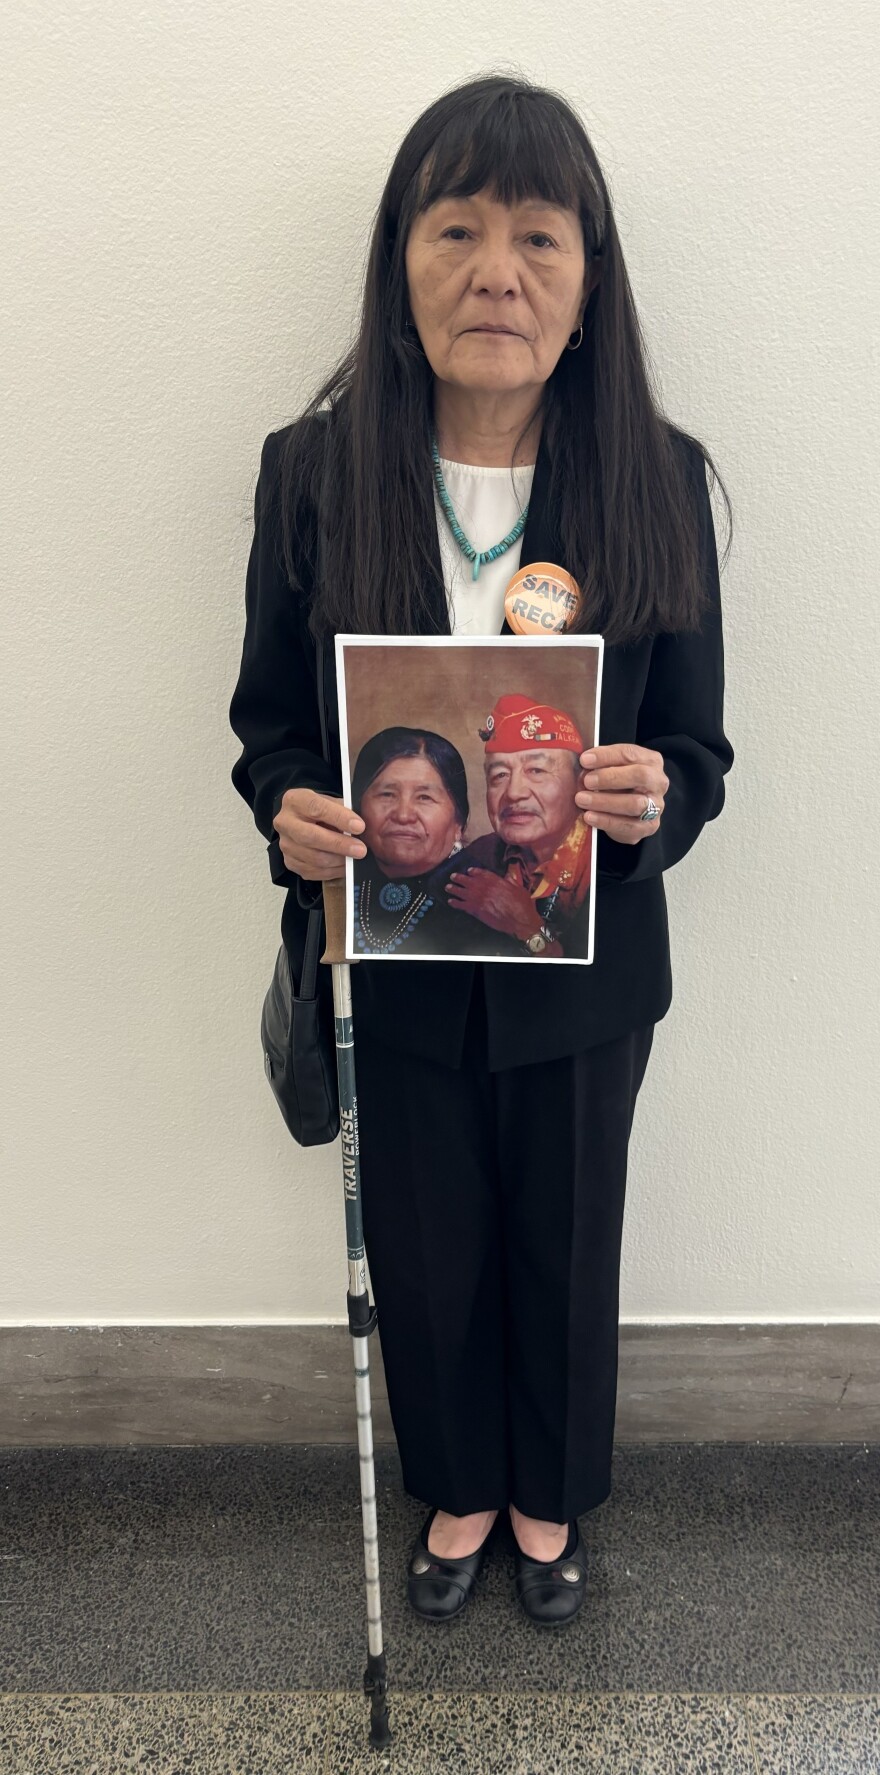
666,692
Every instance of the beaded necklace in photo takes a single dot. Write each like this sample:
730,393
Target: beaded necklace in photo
392,897
478,556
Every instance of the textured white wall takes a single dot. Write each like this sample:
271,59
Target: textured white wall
188,196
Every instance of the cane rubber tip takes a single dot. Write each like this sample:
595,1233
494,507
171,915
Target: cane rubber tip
380,1734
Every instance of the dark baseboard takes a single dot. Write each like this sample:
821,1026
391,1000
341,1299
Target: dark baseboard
125,1385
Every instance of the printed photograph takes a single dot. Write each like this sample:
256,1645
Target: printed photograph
462,759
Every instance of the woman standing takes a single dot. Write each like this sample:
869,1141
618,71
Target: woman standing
495,410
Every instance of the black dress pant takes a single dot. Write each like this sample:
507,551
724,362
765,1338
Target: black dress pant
493,1215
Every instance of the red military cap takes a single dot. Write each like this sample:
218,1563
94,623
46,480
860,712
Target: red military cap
518,723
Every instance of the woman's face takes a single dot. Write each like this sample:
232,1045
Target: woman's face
410,818
474,263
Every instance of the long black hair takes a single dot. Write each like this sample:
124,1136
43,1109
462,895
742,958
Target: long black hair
412,742
621,492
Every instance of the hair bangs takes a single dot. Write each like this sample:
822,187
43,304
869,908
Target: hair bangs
520,147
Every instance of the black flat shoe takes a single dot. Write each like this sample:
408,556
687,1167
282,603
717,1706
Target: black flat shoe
552,1590
439,1588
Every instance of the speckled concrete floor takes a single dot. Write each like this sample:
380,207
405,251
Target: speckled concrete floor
201,1610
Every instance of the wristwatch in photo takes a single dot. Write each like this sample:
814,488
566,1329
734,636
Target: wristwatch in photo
537,943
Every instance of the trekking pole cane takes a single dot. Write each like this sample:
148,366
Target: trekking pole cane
362,1317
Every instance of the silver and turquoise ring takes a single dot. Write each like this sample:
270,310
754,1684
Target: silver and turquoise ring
651,812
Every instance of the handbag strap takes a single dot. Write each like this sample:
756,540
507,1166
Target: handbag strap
322,707
314,939
319,569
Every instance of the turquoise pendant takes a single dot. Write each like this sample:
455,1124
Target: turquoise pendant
395,896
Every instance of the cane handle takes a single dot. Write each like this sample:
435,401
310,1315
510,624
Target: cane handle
334,921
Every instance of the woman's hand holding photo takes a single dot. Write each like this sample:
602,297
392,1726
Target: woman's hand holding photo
316,834
618,782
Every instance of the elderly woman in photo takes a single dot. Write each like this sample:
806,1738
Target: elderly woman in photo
494,410
410,788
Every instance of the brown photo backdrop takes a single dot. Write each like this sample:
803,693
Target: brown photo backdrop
452,689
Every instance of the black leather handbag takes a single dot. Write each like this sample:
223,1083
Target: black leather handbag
297,1030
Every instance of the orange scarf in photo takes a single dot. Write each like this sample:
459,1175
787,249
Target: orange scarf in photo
566,874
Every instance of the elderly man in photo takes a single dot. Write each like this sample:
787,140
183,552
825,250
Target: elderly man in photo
529,879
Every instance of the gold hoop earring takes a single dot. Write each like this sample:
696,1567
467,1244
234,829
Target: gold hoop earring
569,346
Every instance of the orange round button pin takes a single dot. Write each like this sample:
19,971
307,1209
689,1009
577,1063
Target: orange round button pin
541,599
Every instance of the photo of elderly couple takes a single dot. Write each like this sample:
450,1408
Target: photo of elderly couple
463,760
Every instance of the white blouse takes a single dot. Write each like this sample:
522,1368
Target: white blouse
486,506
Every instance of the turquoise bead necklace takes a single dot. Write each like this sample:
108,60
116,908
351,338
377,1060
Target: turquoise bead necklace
478,556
